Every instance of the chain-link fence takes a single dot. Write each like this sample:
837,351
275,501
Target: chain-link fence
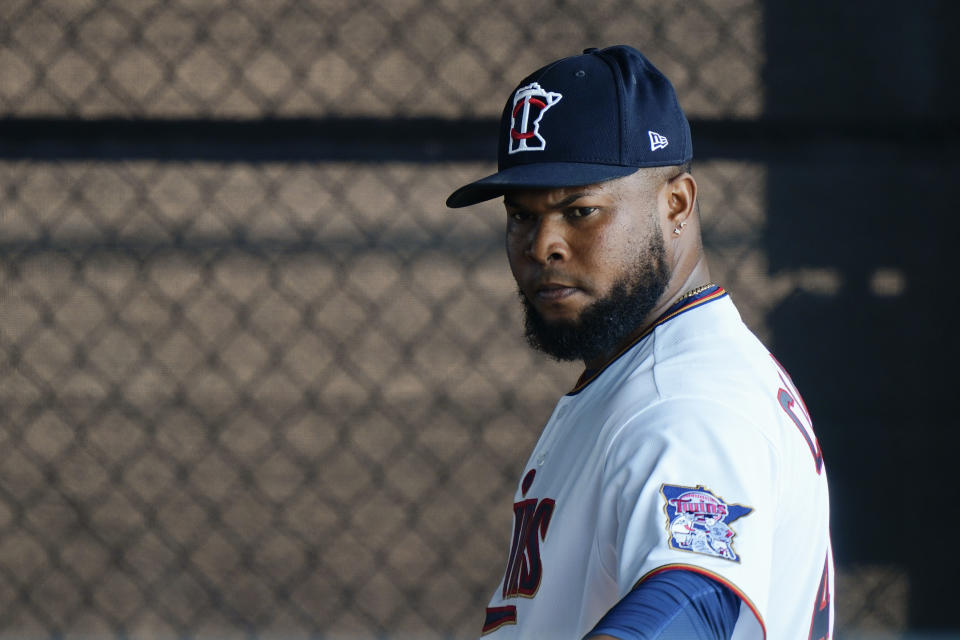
249,58
288,399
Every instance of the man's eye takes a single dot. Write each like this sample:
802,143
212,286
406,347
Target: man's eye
583,212
518,215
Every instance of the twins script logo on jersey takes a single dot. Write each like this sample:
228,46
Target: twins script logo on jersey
699,521
529,105
531,519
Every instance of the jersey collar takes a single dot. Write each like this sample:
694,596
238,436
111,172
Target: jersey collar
709,294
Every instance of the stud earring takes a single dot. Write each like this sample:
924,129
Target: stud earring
676,229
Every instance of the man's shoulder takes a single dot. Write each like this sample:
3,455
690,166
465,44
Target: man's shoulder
708,369
709,347
705,356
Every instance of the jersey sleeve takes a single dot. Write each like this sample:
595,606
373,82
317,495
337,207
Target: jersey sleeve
691,484
673,605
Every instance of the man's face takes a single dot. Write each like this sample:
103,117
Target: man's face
589,262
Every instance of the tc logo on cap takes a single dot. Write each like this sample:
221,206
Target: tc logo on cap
529,105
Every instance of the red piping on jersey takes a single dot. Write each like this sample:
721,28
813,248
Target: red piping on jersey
713,576
682,306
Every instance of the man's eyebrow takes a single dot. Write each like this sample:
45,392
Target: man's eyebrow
573,197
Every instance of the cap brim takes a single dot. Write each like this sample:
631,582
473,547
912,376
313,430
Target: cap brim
545,175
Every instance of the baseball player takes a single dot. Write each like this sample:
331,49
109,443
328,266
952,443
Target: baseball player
678,490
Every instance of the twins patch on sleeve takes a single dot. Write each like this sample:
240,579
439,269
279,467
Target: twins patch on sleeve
699,521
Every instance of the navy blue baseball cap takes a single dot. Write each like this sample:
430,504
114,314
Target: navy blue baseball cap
585,119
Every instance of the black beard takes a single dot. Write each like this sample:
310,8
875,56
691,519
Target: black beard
604,326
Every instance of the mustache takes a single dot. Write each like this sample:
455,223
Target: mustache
554,278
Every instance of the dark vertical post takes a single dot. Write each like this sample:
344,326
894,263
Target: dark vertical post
871,196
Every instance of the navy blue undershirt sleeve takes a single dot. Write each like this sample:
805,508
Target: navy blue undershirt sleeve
673,605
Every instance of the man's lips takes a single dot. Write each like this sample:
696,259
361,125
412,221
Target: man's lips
554,292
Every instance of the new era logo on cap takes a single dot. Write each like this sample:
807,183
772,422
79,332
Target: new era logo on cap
657,141
529,105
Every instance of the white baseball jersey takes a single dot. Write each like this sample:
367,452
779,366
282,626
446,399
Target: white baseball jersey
691,450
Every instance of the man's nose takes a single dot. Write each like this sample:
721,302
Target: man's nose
548,241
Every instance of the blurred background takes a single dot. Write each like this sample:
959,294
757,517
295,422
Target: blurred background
256,381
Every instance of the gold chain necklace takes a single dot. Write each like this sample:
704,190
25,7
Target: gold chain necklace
695,291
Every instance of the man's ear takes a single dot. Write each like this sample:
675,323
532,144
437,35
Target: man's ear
676,201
